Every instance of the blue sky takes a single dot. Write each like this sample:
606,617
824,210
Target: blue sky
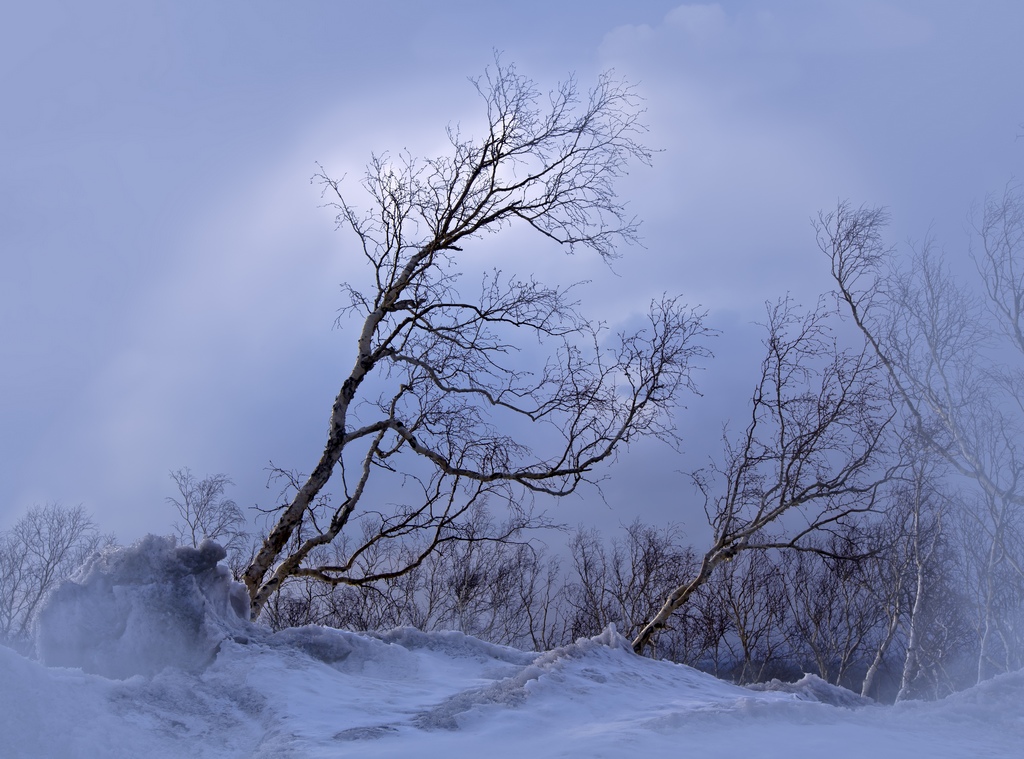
169,280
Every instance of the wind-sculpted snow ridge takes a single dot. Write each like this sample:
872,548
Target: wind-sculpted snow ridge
586,671
353,652
136,610
455,644
813,688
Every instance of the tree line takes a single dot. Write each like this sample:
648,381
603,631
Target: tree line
894,607
901,602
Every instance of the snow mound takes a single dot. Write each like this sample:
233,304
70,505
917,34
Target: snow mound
318,693
136,610
455,644
813,688
985,703
586,671
346,652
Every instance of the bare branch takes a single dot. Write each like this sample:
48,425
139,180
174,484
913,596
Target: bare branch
813,450
447,389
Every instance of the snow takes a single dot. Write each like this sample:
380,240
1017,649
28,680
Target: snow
137,610
197,680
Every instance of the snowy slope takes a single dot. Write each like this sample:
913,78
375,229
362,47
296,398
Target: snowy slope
317,692
324,693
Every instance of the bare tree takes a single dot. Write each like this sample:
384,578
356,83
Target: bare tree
589,594
832,612
886,577
928,331
927,509
813,454
990,542
645,563
446,390
697,632
44,547
500,591
623,586
205,511
751,592
541,601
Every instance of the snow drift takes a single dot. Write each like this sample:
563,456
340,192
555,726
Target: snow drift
813,688
173,668
134,611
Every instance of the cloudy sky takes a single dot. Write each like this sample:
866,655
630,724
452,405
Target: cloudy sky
169,279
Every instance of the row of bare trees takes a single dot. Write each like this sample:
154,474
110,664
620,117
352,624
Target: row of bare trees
43,547
895,607
880,607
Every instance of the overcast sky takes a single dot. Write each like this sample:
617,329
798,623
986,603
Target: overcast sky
169,280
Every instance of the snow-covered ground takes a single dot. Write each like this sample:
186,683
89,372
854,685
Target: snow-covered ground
318,692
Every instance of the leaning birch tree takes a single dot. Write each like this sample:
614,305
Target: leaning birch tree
813,456
441,392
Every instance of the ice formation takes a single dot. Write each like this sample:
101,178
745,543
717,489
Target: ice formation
136,610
